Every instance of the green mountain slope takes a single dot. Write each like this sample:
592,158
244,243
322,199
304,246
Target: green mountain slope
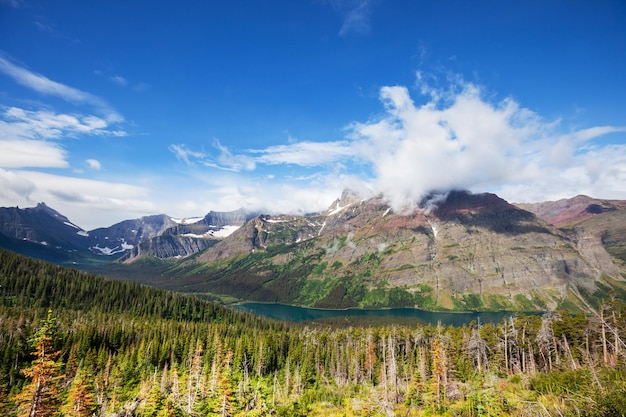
469,252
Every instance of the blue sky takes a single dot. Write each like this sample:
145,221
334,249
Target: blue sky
111,110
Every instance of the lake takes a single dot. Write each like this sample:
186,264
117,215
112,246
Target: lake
298,314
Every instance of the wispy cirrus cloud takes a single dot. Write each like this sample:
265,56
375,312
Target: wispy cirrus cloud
119,80
356,15
12,3
224,160
228,161
183,153
304,154
46,86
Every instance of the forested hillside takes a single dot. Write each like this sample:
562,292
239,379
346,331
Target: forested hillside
73,344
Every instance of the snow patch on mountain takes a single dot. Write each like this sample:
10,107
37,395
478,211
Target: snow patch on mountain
112,251
337,209
224,231
221,233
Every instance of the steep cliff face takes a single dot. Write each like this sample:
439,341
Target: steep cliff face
458,251
168,246
187,237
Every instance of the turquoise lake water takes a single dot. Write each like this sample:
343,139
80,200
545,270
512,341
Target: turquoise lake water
299,314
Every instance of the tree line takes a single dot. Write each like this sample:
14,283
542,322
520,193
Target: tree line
73,344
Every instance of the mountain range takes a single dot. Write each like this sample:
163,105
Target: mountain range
43,231
455,251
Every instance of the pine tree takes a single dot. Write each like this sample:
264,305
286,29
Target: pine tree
80,400
4,405
40,397
154,402
170,410
439,371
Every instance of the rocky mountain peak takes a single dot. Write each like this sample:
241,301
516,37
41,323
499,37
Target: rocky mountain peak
348,198
43,208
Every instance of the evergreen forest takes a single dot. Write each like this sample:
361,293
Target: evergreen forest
75,344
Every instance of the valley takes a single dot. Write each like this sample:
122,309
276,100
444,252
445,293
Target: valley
456,251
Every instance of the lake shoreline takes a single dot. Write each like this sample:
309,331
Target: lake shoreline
383,308
292,313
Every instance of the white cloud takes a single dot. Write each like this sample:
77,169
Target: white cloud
304,153
233,191
94,164
15,188
460,140
599,172
44,124
226,160
26,136
454,139
31,153
44,27
88,203
46,86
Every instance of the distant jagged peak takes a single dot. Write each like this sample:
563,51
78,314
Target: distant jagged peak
42,207
569,211
348,198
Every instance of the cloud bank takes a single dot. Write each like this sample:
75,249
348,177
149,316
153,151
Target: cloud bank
457,139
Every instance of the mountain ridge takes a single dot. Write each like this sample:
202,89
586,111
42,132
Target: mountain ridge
454,251
158,235
470,251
